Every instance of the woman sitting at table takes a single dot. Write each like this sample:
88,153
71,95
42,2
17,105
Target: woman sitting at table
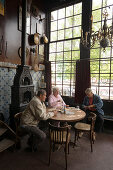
55,100
93,103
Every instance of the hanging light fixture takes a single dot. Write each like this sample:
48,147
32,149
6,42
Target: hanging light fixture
104,35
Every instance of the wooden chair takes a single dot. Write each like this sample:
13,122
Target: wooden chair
59,136
19,131
17,117
7,137
87,128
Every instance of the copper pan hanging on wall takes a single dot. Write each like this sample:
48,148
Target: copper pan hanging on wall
43,39
33,39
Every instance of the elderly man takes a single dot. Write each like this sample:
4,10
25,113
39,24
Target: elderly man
93,103
55,100
35,111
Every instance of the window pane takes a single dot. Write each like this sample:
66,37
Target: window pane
112,66
94,53
111,80
67,45
105,54
59,78
94,80
105,66
73,68
72,91
59,56
59,67
66,90
96,5
69,11
60,34
65,27
109,2
111,93
69,22
75,55
52,47
54,15
53,79
54,26
52,57
104,92
77,31
54,36
68,33
75,44
61,13
59,46
53,68
66,79
77,20
67,67
61,24
67,55
104,79
96,15
96,26
94,66
77,8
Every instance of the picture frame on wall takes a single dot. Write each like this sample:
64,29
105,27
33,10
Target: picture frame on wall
28,21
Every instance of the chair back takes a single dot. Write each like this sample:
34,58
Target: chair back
17,118
92,118
59,135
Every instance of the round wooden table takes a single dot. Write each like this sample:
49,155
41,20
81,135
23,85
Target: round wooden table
73,115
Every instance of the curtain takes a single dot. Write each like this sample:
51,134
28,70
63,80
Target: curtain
82,79
48,77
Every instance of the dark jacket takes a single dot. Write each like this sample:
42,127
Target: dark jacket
96,101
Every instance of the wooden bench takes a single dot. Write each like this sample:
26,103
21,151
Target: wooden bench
107,117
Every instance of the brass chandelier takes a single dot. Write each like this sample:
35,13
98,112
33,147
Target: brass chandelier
103,36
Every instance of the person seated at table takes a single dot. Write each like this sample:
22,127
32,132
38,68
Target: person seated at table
93,103
55,100
32,115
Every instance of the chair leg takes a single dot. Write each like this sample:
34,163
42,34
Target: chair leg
66,155
75,140
94,137
91,141
68,148
50,150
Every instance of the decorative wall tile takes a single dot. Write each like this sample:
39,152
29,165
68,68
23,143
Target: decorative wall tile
6,81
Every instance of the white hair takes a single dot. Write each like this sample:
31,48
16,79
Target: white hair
88,90
55,89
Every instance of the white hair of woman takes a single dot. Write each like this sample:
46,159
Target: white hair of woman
55,89
88,90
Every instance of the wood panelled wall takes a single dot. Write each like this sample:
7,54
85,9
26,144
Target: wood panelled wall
11,34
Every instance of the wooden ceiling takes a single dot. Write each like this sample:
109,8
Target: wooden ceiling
51,4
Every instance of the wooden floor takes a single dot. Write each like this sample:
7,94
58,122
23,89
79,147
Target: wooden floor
80,158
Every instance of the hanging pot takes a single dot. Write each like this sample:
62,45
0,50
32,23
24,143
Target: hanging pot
27,52
44,39
34,38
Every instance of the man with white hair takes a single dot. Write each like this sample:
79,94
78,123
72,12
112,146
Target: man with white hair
55,100
93,103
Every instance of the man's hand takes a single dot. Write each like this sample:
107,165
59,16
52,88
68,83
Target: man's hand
88,107
55,113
